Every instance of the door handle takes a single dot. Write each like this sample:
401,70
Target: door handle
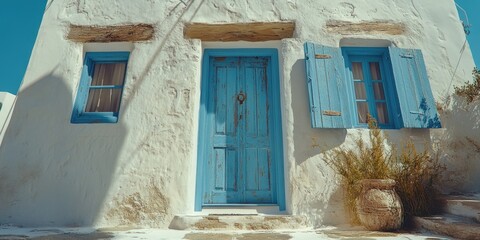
241,97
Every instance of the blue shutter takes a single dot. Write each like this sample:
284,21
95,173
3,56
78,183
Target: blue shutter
327,90
83,88
417,107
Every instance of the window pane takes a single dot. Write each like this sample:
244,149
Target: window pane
382,113
378,91
360,92
357,70
103,100
108,74
362,109
375,71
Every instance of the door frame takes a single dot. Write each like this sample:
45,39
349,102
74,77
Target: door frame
277,134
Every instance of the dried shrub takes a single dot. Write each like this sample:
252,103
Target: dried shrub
471,90
365,161
415,172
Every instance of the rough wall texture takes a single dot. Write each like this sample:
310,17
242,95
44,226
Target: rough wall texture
458,145
141,171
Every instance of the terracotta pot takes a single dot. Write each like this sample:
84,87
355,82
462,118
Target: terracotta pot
379,207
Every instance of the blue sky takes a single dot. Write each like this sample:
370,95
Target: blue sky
472,7
20,20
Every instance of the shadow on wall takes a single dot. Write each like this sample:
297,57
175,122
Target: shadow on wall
309,142
459,145
321,199
54,173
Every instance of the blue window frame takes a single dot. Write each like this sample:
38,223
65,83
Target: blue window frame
100,88
391,84
370,85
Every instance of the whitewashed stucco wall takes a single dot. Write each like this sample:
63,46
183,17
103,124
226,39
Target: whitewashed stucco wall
141,171
7,101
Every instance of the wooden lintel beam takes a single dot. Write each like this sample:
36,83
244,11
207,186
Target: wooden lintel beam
122,33
365,27
252,32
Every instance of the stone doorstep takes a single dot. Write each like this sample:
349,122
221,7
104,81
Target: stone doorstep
238,222
450,225
241,210
463,205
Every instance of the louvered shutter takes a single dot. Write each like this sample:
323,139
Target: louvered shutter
327,89
417,107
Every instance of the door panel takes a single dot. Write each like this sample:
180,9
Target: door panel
239,165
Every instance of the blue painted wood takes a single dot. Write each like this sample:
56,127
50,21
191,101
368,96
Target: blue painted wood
382,55
276,152
237,83
203,129
91,58
416,103
253,134
232,169
368,80
327,87
257,135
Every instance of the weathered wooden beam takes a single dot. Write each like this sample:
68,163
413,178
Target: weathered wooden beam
366,27
122,33
251,32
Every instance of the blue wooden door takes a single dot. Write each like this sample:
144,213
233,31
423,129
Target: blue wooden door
239,165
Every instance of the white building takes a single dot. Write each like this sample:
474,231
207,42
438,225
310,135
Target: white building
132,112
7,102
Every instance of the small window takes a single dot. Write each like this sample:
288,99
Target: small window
369,82
347,84
100,89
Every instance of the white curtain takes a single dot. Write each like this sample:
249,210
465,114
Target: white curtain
362,110
375,71
382,113
106,99
357,70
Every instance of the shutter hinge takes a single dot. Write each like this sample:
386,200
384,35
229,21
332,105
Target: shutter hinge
419,113
322,56
406,55
331,113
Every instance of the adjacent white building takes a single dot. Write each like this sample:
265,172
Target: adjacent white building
132,112
7,102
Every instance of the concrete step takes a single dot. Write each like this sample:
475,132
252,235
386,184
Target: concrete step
450,225
238,222
465,205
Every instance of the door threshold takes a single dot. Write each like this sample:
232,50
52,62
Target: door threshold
240,205
241,209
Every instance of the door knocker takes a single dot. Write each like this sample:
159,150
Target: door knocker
241,97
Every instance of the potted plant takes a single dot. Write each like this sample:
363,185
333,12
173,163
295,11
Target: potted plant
366,177
381,187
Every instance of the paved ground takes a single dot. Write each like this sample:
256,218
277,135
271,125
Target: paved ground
15,233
